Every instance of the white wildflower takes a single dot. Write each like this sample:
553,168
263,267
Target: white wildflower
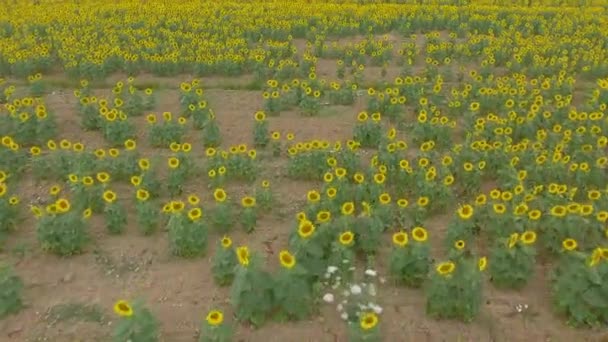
344,316
340,307
328,298
371,273
372,290
355,289
331,269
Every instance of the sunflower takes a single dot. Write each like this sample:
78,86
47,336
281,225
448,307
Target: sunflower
226,242
347,208
384,198
175,147
144,164
594,195
55,190
340,172
602,216
379,178
459,245
368,321
359,178
215,318
87,213
136,180
331,192
499,208
445,268
305,229
323,216
195,214
242,254
569,244
109,196
259,116
400,239
87,181
513,240
420,234
248,202
596,257
176,206
14,200
402,203
123,308
528,237
219,195
448,180
534,215
422,201
193,200
313,196
130,144
465,212
173,162
559,211
103,177
142,195
482,263
480,200
287,259
362,117
346,238
62,205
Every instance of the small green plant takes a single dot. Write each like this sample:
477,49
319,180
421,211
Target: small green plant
224,262
169,130
263,196
9,211
137,324
410,260
251,293
11,287
212,136
215,329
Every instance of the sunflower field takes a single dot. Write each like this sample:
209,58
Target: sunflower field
304,170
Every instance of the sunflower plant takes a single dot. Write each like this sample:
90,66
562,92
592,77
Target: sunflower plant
9,211
513,260
136,323
293,290
11,289
366,329
251,294
177,176
462,277
215,328
264,196
116,127
410,259
579,286
115,213
162,133
224,262
187,230
222,214
249,213
61,229
147,212
368,132
260,130
211,135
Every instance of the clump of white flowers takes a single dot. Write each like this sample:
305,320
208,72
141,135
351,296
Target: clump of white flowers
352,297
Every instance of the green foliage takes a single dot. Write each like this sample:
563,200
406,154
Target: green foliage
11,287
63,233
116,217
224,263
293,291
368,132
215,329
